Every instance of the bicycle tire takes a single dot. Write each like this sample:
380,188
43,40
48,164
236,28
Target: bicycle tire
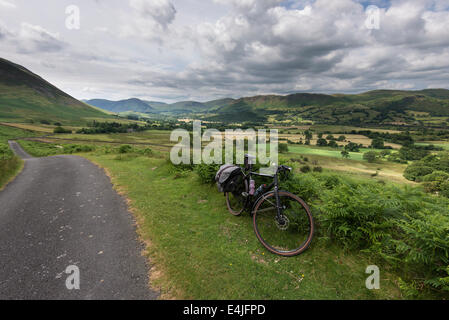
237,211
258,222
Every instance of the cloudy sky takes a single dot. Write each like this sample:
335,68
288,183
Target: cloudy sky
171,50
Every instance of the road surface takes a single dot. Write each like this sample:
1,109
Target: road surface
59,212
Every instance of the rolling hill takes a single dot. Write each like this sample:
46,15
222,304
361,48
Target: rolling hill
25,96
379,107
142,106
374,107
132,104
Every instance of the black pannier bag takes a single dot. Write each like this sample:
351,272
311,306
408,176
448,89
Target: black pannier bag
227,177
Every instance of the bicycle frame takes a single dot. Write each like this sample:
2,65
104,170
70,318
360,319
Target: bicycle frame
274,184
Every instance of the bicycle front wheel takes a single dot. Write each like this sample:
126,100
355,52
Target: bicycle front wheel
288,234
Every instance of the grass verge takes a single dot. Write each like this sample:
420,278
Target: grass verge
9,169
202,252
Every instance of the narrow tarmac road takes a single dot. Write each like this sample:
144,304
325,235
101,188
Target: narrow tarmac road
62,211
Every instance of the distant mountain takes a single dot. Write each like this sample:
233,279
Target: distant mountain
25,96
143,106
374,107
157,106
133,104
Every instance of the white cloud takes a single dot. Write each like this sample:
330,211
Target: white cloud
7,4
34,38
202,50
161,11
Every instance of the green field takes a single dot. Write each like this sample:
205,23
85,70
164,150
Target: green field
442,144
307,150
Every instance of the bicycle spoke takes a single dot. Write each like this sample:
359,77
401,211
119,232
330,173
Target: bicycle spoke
285,233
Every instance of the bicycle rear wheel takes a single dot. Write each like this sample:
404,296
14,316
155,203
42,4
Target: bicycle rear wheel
236,201
289,235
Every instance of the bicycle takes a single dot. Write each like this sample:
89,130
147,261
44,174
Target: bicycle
282,221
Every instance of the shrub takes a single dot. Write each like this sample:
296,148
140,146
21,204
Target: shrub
207,172
318,169
357,216
329,181
422,246
321,142
146,152
305,186
305,169
439,176
76,148
5,152
352,147
413,153
283,148
415,171
378,143
61,130
432,182
385,153
126,148
445,189
395,157
370,156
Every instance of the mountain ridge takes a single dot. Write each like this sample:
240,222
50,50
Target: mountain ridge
382,106
27,96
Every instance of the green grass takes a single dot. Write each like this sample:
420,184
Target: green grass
9,168
310,150
21,103
442,144
10,165
41,149
202,252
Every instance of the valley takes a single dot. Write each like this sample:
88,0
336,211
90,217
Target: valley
372,166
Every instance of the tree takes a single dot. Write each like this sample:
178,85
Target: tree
385,153
61,130
308,135
330,137
320,135
321,142
378,143
352,147
333,144
283,148
341,138
345,154
370,156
